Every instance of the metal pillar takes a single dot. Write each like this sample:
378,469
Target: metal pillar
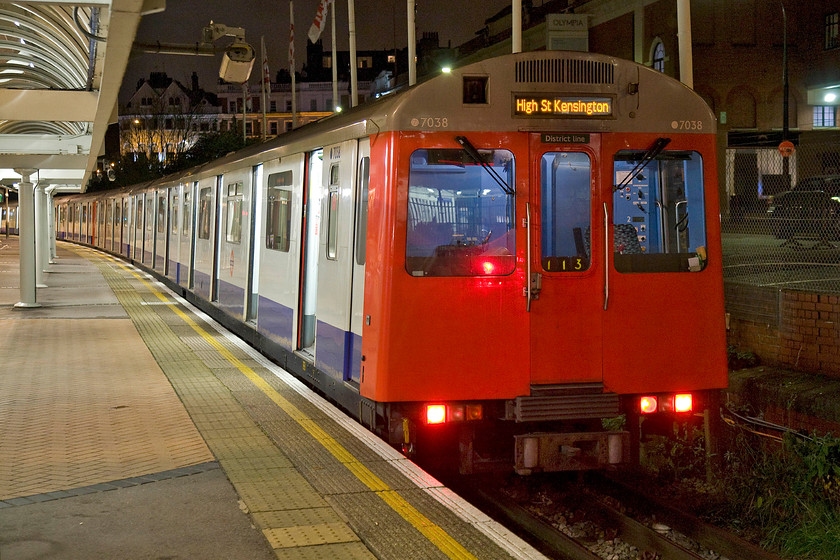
516,26
42,235
412,45
354,82
52,213
684,40
26,226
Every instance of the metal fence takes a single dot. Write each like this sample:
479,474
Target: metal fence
781,216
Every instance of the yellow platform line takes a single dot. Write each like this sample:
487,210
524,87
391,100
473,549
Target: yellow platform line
436,535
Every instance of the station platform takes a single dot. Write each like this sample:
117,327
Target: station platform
134,426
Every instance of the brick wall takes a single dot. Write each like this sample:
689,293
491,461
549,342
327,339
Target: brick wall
792,329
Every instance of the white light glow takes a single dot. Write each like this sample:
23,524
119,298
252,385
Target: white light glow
830,97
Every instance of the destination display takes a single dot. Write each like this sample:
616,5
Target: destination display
561,106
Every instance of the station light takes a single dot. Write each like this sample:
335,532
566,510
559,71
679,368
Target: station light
446,69
647,405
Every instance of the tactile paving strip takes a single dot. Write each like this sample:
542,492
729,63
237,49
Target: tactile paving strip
260,472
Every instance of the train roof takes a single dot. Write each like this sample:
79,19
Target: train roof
489,95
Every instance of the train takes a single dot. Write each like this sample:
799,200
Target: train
491,266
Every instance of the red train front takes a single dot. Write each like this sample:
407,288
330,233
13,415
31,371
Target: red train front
543,253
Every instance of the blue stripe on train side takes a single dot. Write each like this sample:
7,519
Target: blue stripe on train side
331,345
232,299
201,284
338,352
276,321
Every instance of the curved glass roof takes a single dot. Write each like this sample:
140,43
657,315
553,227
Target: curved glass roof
61,66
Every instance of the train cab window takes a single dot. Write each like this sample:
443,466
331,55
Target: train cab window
566,187
460,216
278,221
205,212
233,212
659,218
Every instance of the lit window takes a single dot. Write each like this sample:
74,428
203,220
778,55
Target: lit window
460,213
832,30
824,116
659,57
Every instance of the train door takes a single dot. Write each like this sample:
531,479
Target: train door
160,247
173,246
99,228
187,239
83,223
234,242
149,229
308,293
359,258
108,230
281,251
253,281
137,230
205,256
335,261
658,218
566,239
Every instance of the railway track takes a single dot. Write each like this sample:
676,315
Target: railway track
612,534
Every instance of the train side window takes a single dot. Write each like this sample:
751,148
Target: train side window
566,209
659,217
150,214
459,217
278,222
332,213
161,214
139,218
362,210
175,226
187,213
204,213
234,213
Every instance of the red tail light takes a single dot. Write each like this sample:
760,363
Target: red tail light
435,414
647,405
683,403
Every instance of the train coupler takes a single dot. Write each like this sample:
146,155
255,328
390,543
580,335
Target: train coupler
557,451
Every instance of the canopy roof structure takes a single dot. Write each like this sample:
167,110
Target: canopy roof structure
61,66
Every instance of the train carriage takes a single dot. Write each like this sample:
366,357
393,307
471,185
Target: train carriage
502,256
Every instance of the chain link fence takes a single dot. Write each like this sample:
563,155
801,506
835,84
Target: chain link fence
781,216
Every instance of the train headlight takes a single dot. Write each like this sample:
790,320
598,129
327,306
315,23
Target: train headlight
435,414
683,403
647,405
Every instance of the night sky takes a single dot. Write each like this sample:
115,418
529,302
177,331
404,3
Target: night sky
380,24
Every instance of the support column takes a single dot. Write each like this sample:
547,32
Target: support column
52,214
26,226
684,41
42,235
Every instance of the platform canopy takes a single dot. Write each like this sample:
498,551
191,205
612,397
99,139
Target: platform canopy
61,67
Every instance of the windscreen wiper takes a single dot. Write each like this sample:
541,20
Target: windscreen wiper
650,155
474,155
